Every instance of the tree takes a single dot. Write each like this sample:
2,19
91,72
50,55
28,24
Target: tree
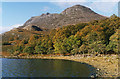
113,16
44,45
95,42
32,41
28,49
96,46
39,50
114,42
67,31
67,45
83,49
19,48
82,38
57,45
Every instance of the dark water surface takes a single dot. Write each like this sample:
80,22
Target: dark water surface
44,68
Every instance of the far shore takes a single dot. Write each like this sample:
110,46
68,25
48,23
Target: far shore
106,66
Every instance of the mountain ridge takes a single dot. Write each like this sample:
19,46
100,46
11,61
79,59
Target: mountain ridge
71,15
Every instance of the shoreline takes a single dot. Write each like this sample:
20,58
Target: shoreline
106,66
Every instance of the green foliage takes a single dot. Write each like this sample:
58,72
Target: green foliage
69,30
28,49
19,48
57,45
94,37
96,46
67,45
44,45
39,49
114,42
83,49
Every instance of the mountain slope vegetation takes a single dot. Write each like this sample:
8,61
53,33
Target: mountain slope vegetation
96,37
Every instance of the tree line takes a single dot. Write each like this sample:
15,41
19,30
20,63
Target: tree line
99,36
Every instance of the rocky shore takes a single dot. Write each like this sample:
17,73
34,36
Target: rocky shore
106,66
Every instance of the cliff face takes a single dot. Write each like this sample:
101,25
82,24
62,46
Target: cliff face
71,15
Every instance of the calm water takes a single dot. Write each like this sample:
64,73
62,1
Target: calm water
44,68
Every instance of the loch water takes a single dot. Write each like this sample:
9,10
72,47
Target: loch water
45,68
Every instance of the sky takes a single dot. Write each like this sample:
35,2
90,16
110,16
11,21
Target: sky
15,14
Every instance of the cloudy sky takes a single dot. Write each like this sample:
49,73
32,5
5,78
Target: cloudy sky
15,14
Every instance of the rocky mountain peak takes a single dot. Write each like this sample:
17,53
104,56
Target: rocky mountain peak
76,9
71,15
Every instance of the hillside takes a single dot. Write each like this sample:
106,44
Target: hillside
96,37
42,24
72,15
76,30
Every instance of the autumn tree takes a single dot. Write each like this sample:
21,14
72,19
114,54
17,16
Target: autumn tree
28,49
114,42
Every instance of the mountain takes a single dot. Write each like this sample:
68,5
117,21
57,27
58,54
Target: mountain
76,30
72,15
96,37
44,23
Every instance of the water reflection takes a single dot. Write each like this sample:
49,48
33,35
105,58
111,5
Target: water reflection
44,68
